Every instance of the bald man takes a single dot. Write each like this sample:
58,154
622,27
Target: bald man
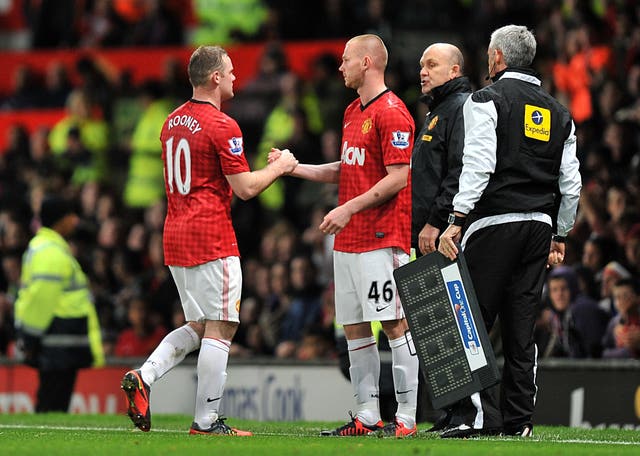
372,228
436,160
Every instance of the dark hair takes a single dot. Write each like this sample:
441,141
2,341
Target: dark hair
54,208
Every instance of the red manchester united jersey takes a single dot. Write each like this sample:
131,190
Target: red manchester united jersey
200,145
373,137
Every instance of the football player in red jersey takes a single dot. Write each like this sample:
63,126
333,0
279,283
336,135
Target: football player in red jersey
372,224
204,165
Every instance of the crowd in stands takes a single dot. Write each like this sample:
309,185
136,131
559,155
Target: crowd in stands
105,154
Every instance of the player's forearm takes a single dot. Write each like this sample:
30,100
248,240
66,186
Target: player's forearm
328,172
385,189
249,184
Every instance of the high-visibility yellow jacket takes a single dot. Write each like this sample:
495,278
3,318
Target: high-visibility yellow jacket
54,306
145,182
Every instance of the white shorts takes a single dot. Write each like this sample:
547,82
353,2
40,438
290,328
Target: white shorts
364,286
210,291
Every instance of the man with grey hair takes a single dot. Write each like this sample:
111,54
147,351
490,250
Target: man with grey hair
517,200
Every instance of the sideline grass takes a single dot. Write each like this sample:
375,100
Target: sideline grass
62,434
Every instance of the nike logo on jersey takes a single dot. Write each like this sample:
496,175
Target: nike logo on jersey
381,308
347,124
403,392
213,400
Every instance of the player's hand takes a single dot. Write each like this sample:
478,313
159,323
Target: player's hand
336,220
286,161
427,239
556,253
448,240
274,154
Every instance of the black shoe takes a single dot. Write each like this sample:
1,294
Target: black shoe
355,427
441,424
464,431
523,431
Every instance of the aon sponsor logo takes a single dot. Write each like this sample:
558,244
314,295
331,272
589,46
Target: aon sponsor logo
352,155
537,123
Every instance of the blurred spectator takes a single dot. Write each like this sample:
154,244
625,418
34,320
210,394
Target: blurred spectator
145,181
57,86
305,309
27,91
53,23
320,245
227,21
294,124
574,70
597,252
101,26
572,325
260,94
622,338
157,282
161,25
92,134
275,306
11,268
611,274
141,336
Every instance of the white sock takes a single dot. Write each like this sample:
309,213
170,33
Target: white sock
405,378
365,378
212,376
169,353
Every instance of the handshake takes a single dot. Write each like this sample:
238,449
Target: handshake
284,160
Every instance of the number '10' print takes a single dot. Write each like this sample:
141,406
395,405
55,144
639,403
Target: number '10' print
174,172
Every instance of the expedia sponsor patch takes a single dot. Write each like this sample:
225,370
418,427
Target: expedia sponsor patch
537,123
400,139
235,145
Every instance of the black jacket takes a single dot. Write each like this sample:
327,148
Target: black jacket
531,130
436,160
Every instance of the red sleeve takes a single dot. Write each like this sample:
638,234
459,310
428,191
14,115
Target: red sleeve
230,147
396,129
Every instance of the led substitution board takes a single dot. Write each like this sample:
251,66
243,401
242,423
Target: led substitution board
451,340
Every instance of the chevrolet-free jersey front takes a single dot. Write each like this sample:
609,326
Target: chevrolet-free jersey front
373,137
200,145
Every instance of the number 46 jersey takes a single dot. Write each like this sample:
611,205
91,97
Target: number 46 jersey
200,145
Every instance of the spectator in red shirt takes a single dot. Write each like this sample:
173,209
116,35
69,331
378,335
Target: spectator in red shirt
142,337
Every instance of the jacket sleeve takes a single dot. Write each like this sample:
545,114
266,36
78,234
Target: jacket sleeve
479,156
41,290
443,203
570,184
95,338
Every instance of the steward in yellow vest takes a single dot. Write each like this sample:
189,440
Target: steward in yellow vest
56,322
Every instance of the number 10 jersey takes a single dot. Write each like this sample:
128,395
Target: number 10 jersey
200,145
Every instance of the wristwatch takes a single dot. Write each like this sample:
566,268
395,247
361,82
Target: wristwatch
558,238
456,219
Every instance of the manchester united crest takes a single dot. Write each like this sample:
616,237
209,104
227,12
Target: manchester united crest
366,126
433,123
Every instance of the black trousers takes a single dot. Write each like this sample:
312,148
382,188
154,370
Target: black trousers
507,264
55,389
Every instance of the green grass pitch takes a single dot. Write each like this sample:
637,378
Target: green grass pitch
92,435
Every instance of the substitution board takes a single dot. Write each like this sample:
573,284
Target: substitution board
448,332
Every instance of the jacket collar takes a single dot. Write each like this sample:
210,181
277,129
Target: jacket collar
523,73
438,94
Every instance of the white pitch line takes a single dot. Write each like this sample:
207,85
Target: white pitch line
283,434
